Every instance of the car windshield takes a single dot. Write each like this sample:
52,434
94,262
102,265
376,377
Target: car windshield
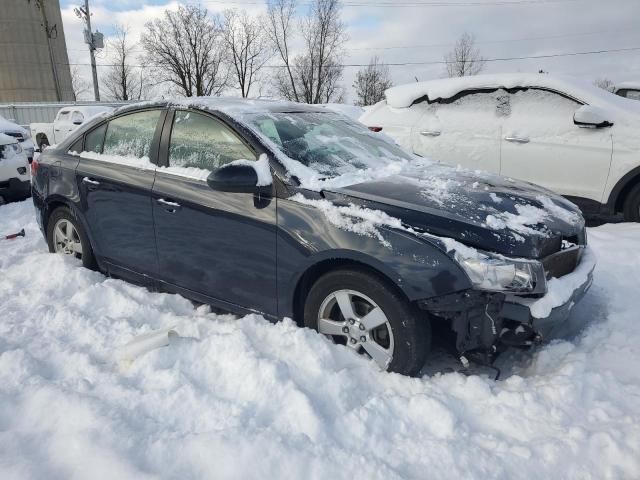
328,143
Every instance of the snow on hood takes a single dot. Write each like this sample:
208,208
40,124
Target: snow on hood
403,96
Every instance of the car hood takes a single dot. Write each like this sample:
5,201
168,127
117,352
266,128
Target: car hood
481,210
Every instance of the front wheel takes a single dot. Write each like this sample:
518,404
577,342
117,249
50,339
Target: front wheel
363,312
632,205
65,235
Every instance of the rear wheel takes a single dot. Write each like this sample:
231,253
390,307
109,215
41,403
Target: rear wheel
361,311
632,205
65,235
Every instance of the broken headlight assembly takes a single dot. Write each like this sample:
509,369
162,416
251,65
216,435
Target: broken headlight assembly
496,273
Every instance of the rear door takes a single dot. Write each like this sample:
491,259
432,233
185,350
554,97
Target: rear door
218,244
462,131
542,145
115,183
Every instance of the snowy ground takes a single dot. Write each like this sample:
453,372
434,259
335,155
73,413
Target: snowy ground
245,398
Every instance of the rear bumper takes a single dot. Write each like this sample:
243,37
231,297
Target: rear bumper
15,189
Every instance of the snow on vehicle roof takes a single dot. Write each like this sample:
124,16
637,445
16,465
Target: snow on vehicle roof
403,96
8,126
630,84
7,139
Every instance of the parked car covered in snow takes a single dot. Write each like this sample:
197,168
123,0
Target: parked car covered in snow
21,134
67,120
295,211
569,136
630,90
14,170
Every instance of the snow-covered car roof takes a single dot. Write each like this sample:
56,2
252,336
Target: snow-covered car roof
631,85
403,96
7,139
7,126
352,111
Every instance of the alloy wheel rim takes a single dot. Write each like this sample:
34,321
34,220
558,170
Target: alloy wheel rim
66,238
351,318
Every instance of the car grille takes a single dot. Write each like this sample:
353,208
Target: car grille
563,262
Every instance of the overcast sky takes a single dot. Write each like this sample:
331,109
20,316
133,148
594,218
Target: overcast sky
424,30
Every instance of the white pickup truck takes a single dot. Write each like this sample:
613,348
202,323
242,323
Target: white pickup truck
66,121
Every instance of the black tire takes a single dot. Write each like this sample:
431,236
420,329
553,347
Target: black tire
60,213
632,205
43,142
411,330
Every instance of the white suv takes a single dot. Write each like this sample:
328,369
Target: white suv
559,132
15,177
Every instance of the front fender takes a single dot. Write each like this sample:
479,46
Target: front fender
306,237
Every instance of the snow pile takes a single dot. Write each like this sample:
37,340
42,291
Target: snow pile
242,398
403,96
527,216
560,290
261,166
362,221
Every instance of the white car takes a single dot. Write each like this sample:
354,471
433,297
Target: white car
15,177
66,121
629,90
559,132
19,133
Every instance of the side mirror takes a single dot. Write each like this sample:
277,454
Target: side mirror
590,116
235,178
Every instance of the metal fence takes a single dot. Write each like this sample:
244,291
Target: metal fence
25,113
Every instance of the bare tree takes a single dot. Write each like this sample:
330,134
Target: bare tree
371,82
465,58
123,81
605,84
79,85
312,76
187,48
248,48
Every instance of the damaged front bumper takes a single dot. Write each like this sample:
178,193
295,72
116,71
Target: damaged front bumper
488,320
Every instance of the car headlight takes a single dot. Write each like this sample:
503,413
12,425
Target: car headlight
502,274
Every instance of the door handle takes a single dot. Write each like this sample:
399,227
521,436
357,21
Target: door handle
90,181
517,139
169,205
431,133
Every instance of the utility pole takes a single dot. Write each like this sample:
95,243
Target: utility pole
47,30
94,40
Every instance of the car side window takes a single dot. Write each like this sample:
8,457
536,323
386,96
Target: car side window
553,109
201,141
94,140
77,146
63,116
131,135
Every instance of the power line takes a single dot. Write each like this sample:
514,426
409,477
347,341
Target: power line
400,64
413,4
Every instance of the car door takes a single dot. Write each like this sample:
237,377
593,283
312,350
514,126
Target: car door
115,183
218,244
464,130
62,125
542,145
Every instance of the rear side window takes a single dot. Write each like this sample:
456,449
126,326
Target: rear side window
94,139
63,116
201,141
131,135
